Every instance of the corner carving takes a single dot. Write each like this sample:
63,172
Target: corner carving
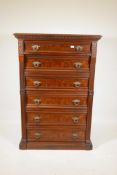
20,47
91,92
94,48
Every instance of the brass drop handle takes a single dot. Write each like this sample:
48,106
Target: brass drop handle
77,65
78,48
37,135
37,118
36,64
37,101
75,119
76,102
37,83
35,47
76,84
75,136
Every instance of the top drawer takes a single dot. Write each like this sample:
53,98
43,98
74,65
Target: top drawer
64,47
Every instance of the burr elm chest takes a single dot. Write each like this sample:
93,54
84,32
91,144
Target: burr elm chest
56,89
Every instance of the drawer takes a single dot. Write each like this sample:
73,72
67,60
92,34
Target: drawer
78,63
58,100
56,134
53,118
53,82
53,46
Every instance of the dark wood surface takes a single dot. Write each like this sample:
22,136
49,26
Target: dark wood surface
46,46
57,62
56,118
53,82
56,89
54,133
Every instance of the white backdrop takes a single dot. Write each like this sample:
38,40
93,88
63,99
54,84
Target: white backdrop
61,16
53,16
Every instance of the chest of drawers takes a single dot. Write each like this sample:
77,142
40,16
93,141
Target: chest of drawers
56,89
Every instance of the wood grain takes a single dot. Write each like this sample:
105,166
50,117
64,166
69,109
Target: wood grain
54,118
56,134
58,62
56,114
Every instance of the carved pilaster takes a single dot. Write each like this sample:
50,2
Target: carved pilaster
91,92
22,92
94,50
20,47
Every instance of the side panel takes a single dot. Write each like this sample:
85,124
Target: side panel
22,93
91,91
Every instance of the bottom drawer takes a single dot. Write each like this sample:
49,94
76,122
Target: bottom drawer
67,133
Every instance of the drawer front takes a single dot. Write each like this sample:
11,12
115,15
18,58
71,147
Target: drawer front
69,118
56,100
57,63
41,46
56,134
47,82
